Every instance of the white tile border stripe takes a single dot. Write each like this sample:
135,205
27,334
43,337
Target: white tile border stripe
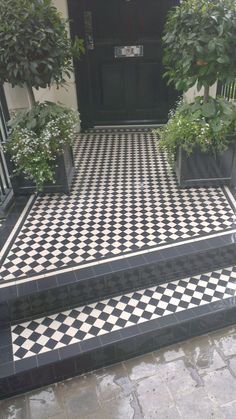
230,196
101,261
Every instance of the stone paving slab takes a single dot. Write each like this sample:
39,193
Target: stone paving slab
194,379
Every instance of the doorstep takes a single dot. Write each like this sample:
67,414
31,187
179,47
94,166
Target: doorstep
38,296
52,348
126,227
125,202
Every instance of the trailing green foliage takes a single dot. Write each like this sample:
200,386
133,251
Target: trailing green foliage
210,126
200,43
37,137
34,44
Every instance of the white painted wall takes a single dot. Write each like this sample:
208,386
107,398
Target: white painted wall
192,93
17,97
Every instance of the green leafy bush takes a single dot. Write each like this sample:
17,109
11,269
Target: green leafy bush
200,43
210,126
34,44
37,137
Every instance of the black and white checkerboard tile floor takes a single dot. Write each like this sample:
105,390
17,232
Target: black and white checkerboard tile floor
79,324
124,199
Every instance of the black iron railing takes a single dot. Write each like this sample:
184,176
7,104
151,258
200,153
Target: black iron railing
228,91
5,184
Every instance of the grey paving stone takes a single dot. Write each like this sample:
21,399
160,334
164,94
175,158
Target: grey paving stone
79,396
81,403
179,378
62,415
171,413
187,381
197,405
153,396
122,408
84,380
232,365
99,414
229,410
174,352
113,382
226,341
13,408
44,403
220,386
141,367
202,355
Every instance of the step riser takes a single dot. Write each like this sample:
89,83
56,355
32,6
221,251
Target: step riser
28,300
120,346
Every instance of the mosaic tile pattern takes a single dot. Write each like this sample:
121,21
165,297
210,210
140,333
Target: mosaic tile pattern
62,329
124,199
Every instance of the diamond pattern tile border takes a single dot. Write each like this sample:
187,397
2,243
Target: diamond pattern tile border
124,199
76,325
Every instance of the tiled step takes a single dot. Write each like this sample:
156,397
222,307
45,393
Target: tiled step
33,297
54,347
126,225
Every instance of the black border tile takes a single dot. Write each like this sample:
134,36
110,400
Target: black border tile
5,336
114,347
6,354
27,288
90,344
6,369
69,350
83,274
25,364
47,283
85,286
8,293
48,357
66,278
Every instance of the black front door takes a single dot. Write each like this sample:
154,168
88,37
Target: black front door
120,77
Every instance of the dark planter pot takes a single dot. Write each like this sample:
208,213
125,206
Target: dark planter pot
206,169
63,176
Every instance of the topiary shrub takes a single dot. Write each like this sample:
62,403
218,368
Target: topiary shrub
200,44
35,49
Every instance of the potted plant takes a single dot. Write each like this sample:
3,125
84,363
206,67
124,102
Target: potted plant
40,144
199,137
36,52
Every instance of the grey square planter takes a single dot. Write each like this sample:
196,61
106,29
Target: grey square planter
206,169
63,176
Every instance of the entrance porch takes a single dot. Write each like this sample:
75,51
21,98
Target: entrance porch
126,263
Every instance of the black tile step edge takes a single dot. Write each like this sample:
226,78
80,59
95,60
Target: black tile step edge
60,292
44,369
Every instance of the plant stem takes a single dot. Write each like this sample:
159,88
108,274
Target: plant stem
206,93
30,91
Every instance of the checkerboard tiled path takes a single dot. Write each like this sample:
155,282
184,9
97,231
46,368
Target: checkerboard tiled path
76,325
124,199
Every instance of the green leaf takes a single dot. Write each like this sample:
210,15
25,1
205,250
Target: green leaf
199,85
223,60
211,45
208,109
198,36
34,44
